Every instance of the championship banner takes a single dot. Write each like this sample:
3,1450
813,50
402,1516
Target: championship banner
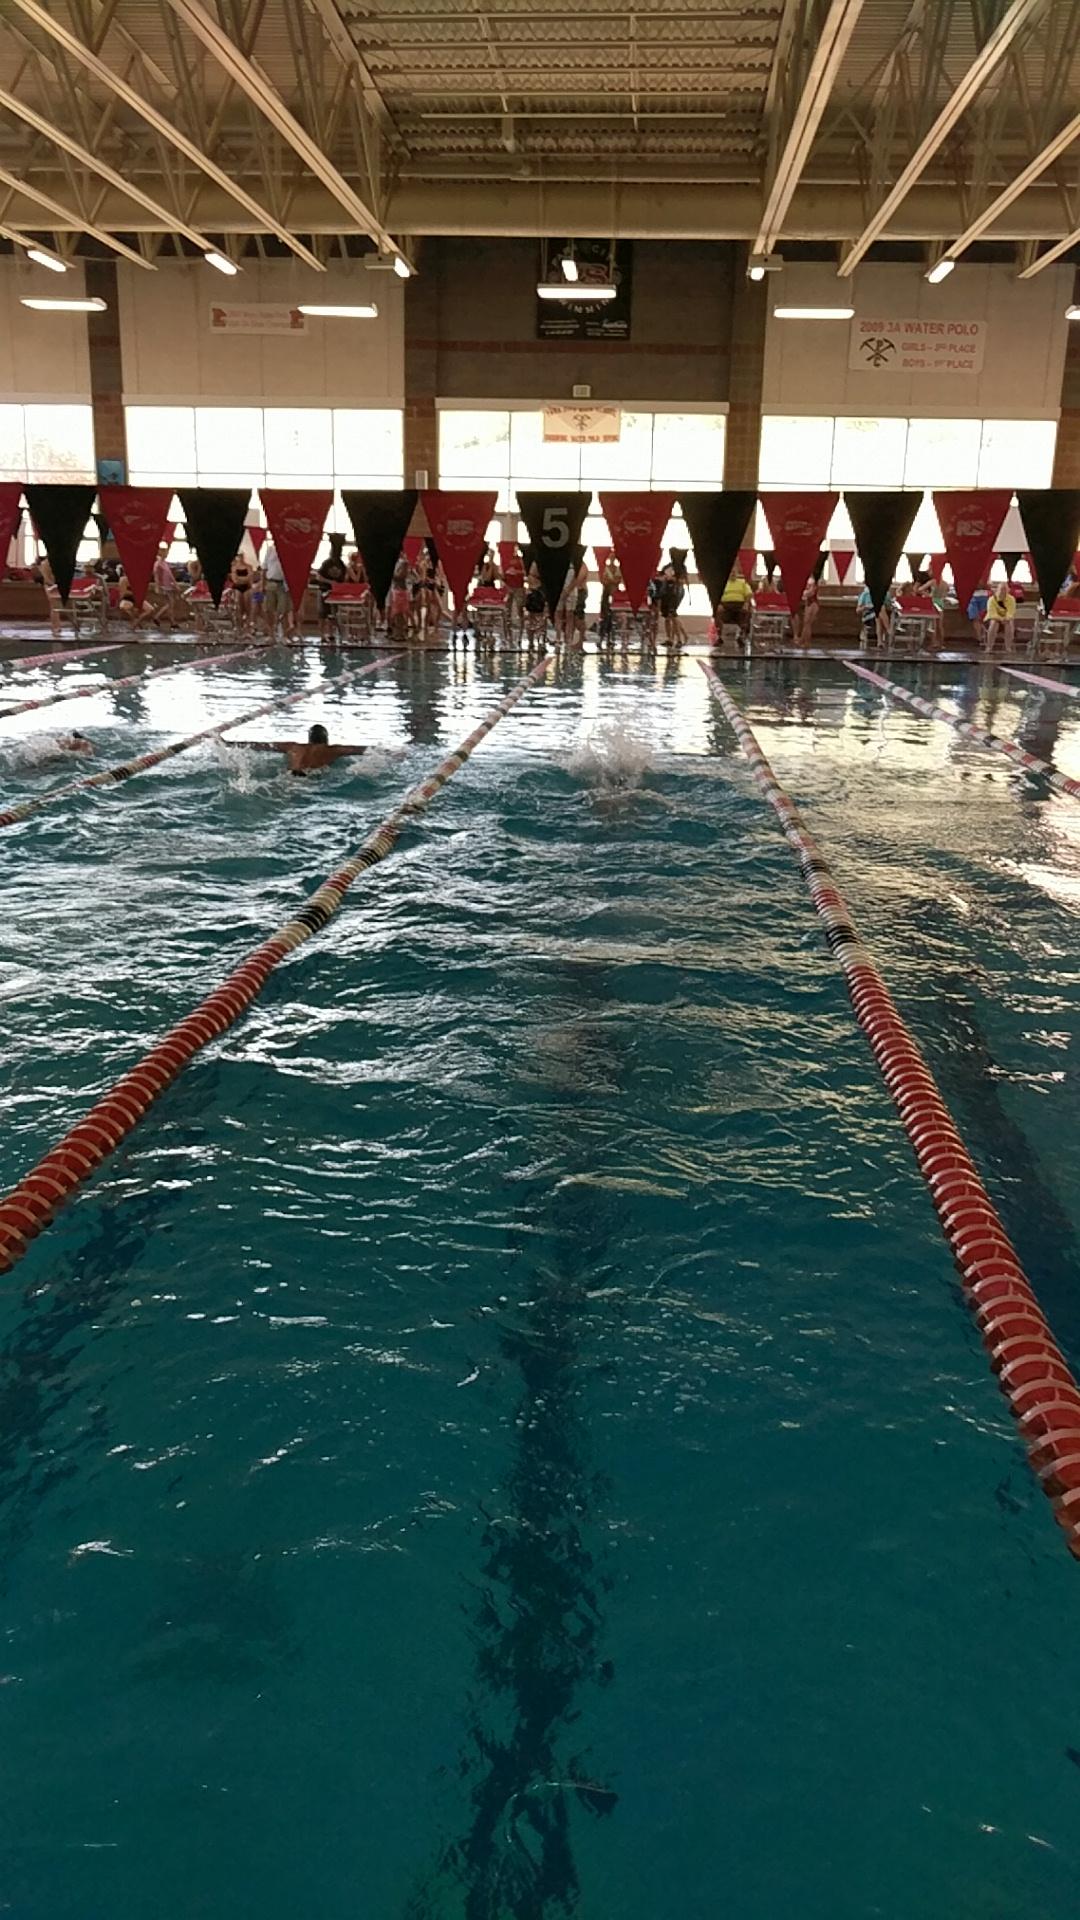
637,523
554,521
380,520
459,524
970,524
60,514
10,515
214,518
881,523
842,558
717,523
1051,517
138,519
798,523
296,518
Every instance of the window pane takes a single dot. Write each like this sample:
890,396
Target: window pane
473,444
300,440
542,461
942,453
1017,453
60,442
12,442
630,457
796,450
869,453
229,440
368,440
159,437
688,449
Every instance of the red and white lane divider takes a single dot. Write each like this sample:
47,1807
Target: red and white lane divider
129,680
73,653
1019,756
1038,680
109,776
42,1192
1031,1369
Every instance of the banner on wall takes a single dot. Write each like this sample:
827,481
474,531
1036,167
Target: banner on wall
798,523
554,521
138,519
380,520
1051,517
227,316
637,523
459,524
970,523
585,319
214,518
582,426
717,523
60,513
888,344
10,515
296,518
881,523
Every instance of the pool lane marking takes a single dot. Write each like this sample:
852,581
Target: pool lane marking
1037,680
129,680
1032,1371
73,653
1019,756
127,768
40,1194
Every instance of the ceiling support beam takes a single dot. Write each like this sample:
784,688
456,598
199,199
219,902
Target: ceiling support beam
1053,253
1013,21
70,219
167,128
1025,179
831,45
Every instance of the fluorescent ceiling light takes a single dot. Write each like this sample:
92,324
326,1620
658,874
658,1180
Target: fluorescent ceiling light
565,290
221,261
402,267
62,306
1072,313
570,268
43,259
940,271
757,268
368,312
813,313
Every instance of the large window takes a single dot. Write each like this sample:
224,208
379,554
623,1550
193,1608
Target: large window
265,446
46,442
505,448
803,450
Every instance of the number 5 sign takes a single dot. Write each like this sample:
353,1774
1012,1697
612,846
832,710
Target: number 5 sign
554,522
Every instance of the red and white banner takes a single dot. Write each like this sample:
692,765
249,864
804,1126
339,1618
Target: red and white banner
842,558
637,523
138,520
970,524
582,426
296,518
459,524
798,523
10,515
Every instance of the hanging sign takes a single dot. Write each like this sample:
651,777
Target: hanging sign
798,523
10,515
891,345
554,521
582,426
60,514
970,523
380,520
717,523
138,519
296,518
637,523
228,317
582,318
881,523
459,524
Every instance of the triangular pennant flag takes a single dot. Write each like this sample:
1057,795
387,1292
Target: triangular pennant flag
554,521
101,522
380,520
881,523
412,547
257,536
459,524
10,515
1051,517
637,523
798,523
1010,560
296,517
820,564
970,524
60,514
511,564
717,523
214,518
936,564
747,557
770,562
138,517
842,559
602,555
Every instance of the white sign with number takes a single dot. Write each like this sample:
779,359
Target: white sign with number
582,426
917,346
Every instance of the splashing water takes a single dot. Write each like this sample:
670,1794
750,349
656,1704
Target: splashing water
612,759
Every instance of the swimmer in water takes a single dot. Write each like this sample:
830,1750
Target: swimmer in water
308,756
74,742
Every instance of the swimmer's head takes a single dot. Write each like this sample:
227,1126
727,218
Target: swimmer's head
318,737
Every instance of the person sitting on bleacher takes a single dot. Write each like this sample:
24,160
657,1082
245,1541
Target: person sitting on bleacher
1000,617
736,603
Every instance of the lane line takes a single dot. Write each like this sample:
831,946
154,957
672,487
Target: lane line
1019,756
1037,680
73,653
130,680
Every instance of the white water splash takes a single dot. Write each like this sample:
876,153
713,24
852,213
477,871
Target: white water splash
239,767
613,760
36,750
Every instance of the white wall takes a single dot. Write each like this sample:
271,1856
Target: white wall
170,353
806,362
43,356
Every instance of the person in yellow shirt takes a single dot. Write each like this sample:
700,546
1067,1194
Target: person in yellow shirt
735,604
1000,617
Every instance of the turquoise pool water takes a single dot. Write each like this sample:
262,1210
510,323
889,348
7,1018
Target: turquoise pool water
502,1439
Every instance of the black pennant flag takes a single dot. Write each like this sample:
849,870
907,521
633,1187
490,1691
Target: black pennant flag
214,518
554,521
1051,517
1010,561
380,520
821,563
882,522
716,523
915,564
60,514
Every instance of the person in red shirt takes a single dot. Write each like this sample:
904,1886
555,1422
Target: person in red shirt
513,575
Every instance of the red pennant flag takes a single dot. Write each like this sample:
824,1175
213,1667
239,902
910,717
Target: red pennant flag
412,547
637,523
936,564
138,521
602,555
798,523
970,524
257,536
748,562
842,559
459,524
296,518
10,515
511,565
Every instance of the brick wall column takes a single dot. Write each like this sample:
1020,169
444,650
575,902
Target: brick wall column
743,444
1067,453
422,369
106,364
